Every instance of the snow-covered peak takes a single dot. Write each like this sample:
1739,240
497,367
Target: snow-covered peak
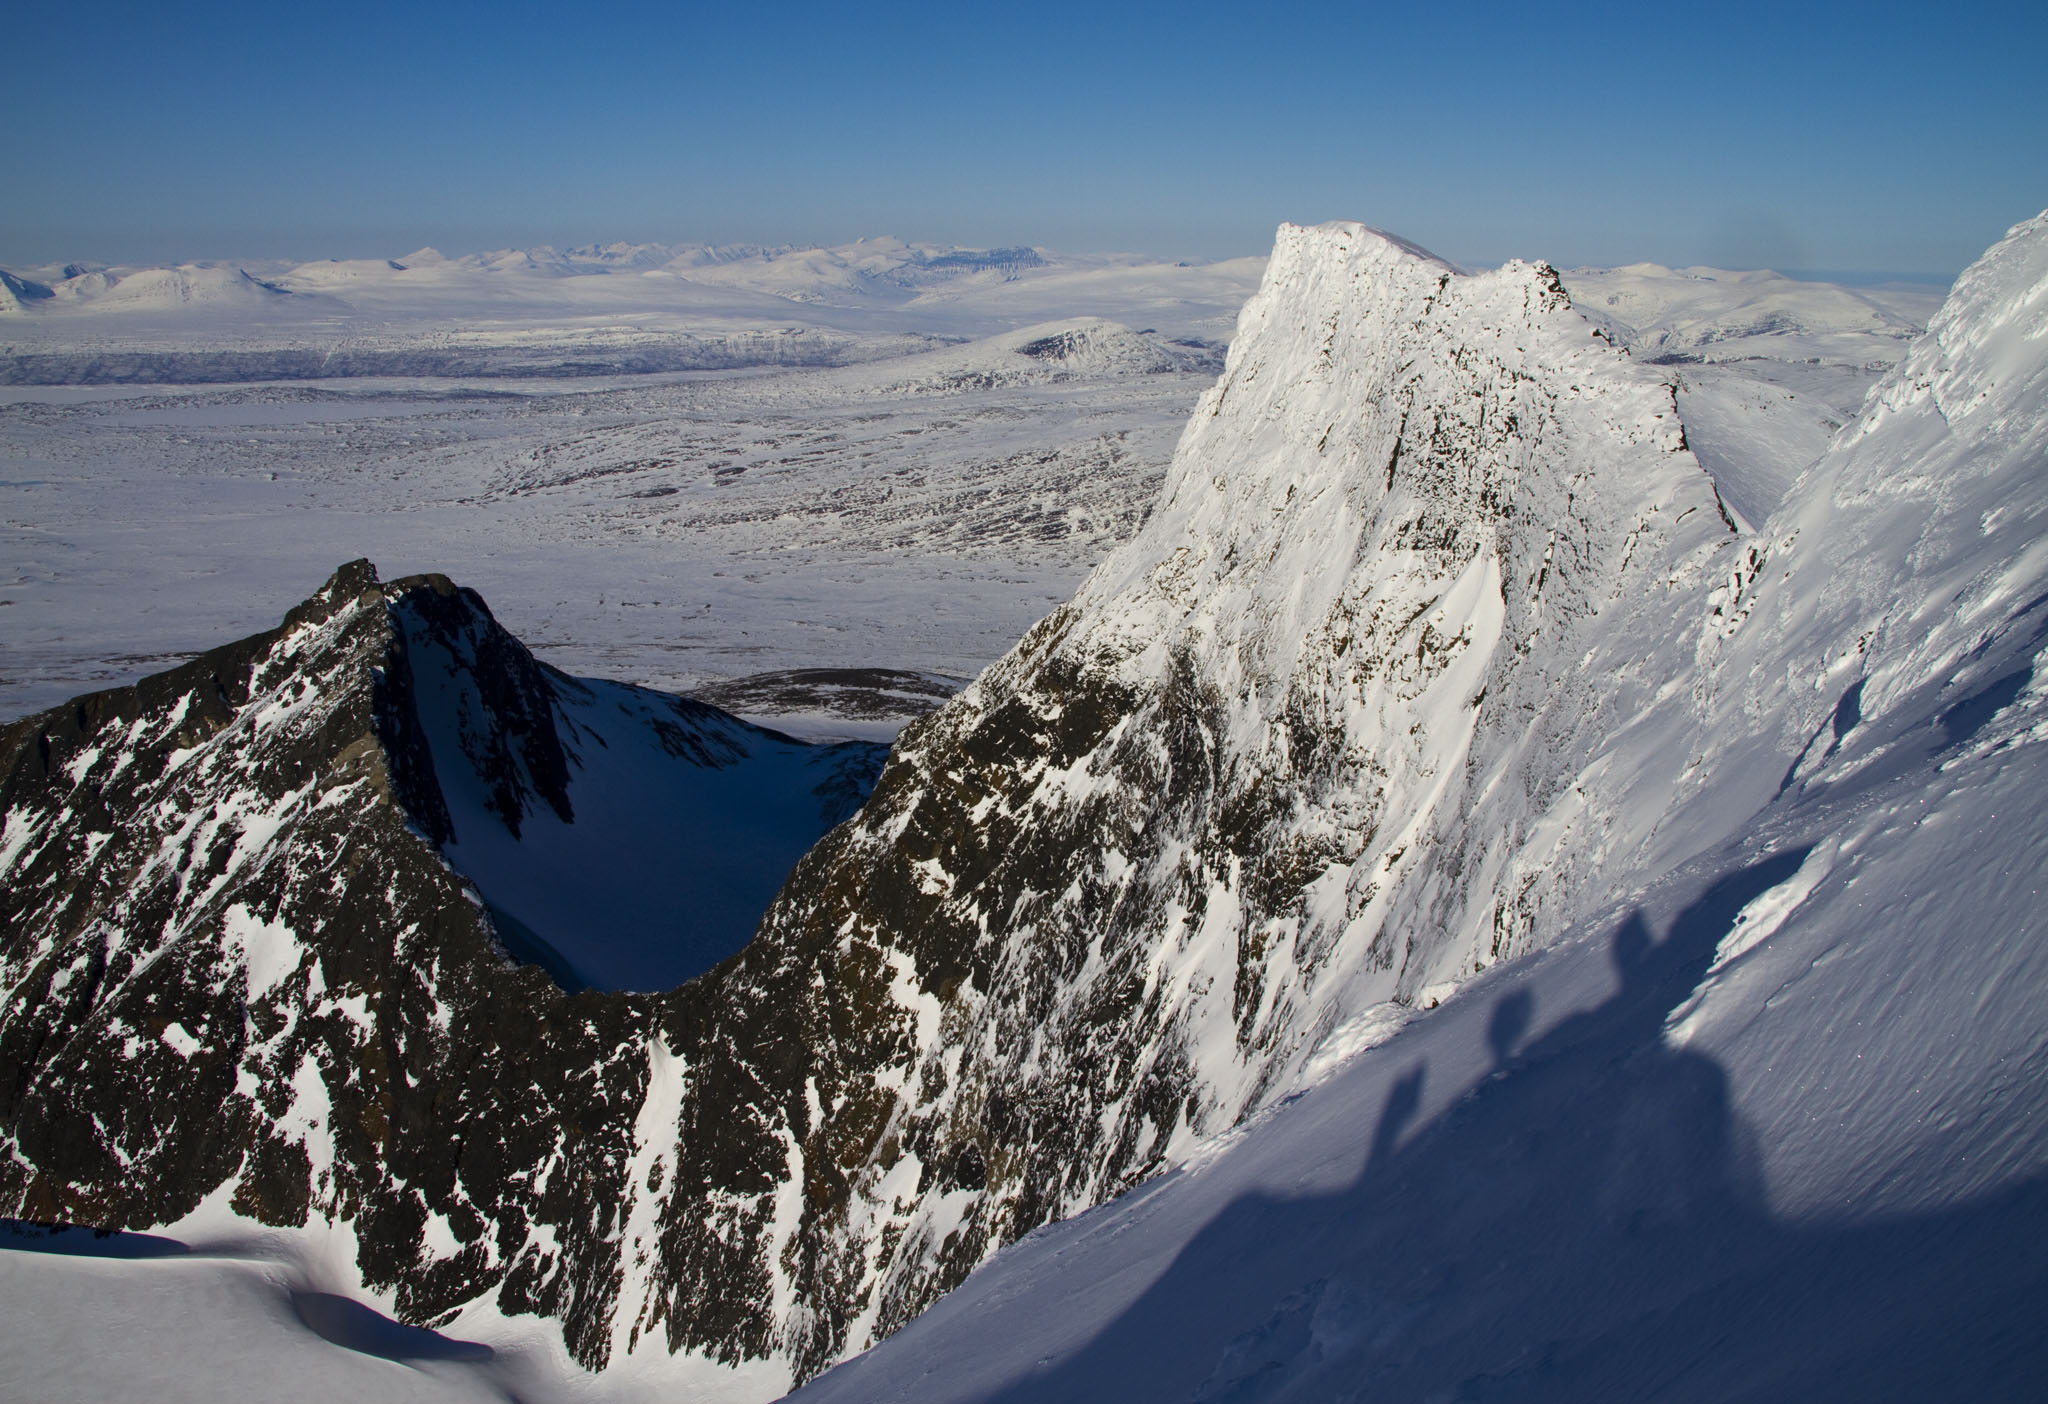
1299,246
339,275
1771,1104
1309,445
159,289
1324,736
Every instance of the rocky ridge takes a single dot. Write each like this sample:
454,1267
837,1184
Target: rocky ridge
240,966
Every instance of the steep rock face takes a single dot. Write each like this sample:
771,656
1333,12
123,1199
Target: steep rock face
1324,734
237,962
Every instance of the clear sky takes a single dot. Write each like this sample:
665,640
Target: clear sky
1873,137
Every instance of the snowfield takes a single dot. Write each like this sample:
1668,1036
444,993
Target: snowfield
662,533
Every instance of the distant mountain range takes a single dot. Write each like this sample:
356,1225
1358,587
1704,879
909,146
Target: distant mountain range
868,272
602,310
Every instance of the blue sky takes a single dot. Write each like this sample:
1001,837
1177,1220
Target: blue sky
1874,137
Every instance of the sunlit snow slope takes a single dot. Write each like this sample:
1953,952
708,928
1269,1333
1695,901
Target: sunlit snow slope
1771,1121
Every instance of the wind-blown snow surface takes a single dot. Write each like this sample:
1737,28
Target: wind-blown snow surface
1776,1125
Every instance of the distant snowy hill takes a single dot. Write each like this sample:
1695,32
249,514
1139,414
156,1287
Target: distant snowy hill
161,289
607,309
20,294
1708,313
1768,368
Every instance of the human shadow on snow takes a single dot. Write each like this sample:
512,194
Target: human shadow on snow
1586,1224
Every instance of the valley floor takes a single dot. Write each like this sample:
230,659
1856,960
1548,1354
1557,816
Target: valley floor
667,534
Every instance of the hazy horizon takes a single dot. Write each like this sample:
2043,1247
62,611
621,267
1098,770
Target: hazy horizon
1862,140
1846,277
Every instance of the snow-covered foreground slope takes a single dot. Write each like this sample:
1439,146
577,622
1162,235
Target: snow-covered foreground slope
1693,1154
1774,1123
147,1316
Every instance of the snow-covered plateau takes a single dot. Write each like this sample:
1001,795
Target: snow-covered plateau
664,465
1515,875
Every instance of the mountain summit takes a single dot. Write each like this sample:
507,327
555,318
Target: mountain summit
1762,1119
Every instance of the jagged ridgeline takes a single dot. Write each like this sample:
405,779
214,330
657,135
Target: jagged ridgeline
1325,733
282,919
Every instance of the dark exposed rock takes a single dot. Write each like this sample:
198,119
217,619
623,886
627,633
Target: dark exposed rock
234,956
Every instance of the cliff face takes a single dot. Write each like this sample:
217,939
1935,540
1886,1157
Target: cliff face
240,963
1323,735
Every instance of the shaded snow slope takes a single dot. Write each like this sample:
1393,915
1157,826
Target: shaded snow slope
1773,1126
624,838
144,1315
1766,1158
